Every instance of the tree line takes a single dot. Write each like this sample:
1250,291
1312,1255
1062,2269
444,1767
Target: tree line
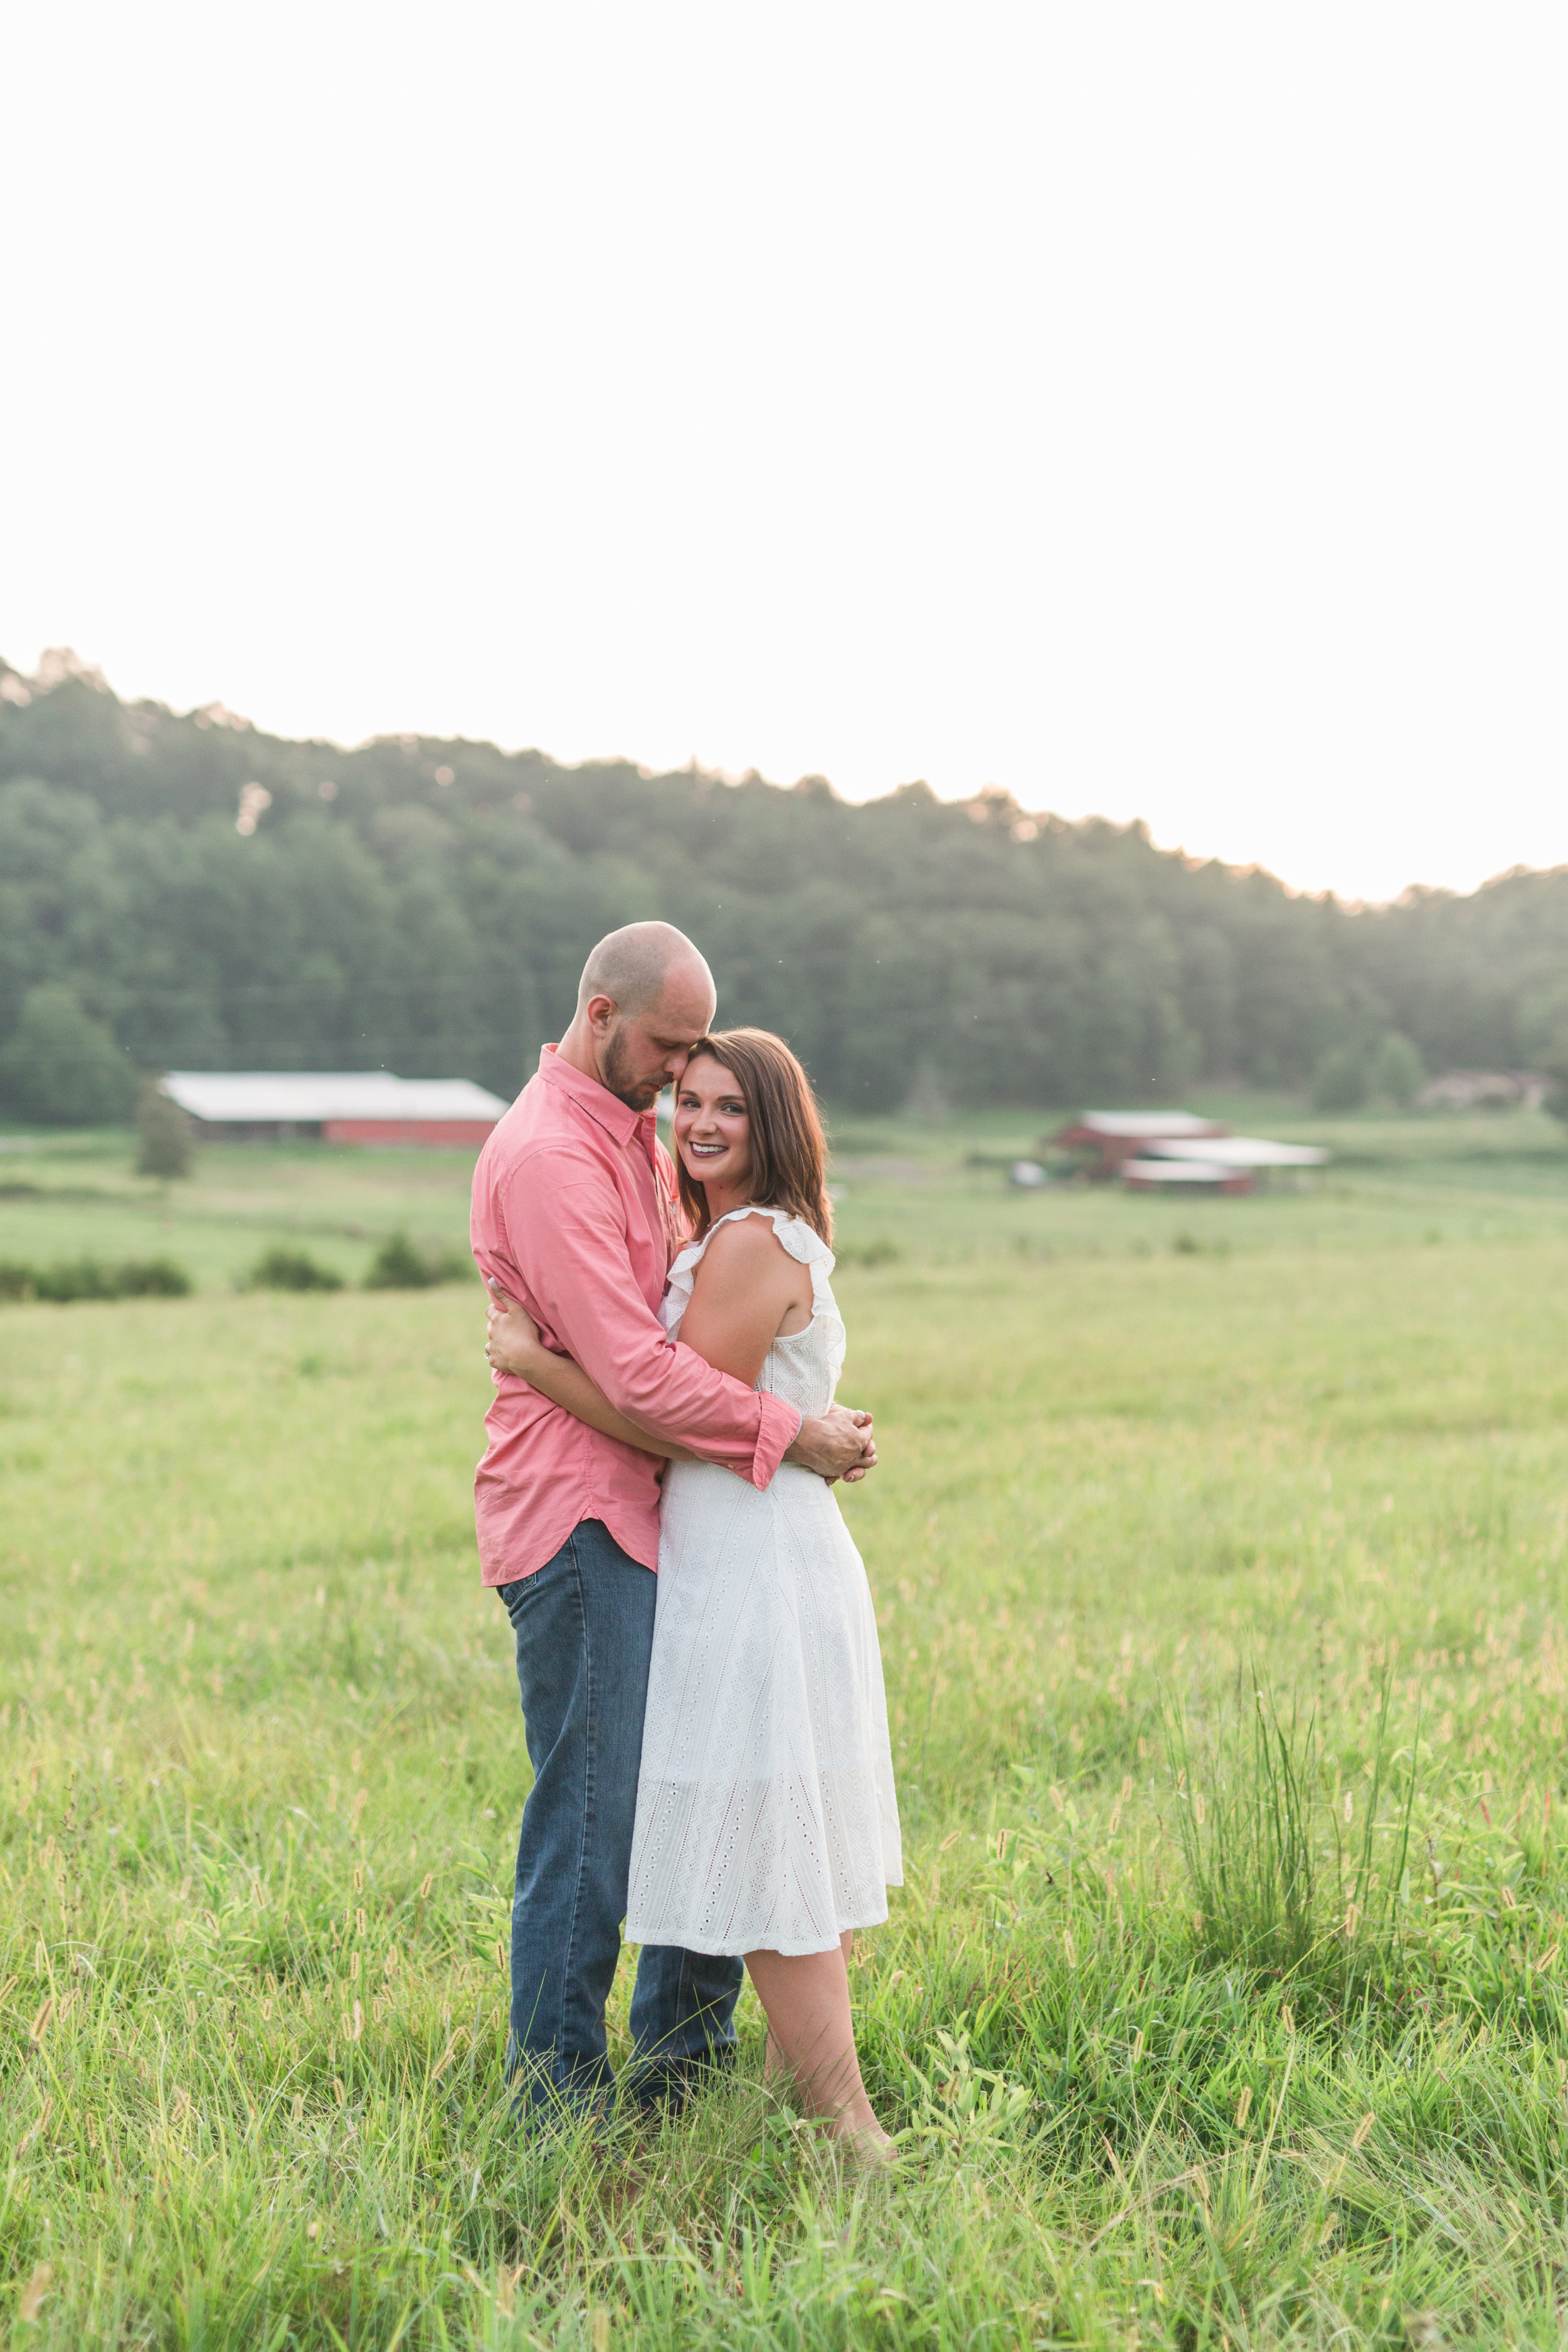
184,891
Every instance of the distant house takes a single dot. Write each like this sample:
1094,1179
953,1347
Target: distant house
348,1106
1116,1136
1484,1090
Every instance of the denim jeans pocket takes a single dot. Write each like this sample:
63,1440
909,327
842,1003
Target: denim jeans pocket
515,1597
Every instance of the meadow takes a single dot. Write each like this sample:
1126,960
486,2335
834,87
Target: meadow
1218,1551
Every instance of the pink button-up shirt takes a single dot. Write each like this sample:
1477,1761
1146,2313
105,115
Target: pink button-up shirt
576,1214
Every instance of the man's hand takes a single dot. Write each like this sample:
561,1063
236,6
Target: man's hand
868,1450
838,1444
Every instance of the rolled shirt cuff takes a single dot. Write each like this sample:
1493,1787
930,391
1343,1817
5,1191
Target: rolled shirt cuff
781,1424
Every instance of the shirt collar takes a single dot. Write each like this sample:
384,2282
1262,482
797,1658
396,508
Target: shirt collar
617,1118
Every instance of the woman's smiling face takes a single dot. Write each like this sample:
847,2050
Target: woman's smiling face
712,1131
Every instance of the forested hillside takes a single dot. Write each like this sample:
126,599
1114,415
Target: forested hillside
184,891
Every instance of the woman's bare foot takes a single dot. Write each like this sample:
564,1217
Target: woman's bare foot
864,2146
810,2049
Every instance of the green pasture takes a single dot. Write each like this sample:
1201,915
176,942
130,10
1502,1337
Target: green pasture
1218,1551
65,1195
934,1193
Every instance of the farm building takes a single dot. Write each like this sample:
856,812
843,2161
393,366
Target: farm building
1143,1175
347,1107
1485,1090
1221,1163
1116,1136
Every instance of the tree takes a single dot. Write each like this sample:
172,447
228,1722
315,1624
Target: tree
62,1066
426,907
1554,1065
1396,1074
165,1146
1340,1080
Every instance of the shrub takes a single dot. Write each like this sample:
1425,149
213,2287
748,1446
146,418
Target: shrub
881,1252
280,1268
400,1264
73,1279
152,1277
1397,1073
165,1146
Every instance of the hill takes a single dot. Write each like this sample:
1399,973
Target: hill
187,891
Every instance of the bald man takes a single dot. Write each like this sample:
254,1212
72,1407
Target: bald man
576,1214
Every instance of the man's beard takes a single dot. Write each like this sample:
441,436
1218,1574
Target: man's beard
613,1078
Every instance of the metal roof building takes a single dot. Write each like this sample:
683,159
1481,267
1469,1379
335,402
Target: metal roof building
1119,1135
1241,1151
1229,1163
335,1106
1146,1175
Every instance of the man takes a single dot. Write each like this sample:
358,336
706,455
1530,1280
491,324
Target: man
575,1215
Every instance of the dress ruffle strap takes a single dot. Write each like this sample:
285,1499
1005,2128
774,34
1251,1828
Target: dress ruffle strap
807,1247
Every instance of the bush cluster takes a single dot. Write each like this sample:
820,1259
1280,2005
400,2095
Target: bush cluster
87,1277
280,1268
399,1263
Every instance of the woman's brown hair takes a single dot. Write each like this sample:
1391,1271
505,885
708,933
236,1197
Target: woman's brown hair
789,1149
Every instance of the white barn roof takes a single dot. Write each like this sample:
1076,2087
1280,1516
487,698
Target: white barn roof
1174,1172
303,1097
1241,1151
1146,1122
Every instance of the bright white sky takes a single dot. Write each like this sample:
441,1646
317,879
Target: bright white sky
1157,410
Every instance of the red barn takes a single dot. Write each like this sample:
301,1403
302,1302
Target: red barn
1118,1135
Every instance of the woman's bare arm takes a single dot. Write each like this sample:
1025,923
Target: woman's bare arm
746,1289
746,1292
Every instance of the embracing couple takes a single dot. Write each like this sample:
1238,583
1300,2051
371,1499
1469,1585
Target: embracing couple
695,1646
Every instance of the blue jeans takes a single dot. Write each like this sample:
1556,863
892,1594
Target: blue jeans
584,1624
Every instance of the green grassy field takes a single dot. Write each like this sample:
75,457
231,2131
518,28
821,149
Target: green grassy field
1394,1181
1209,2021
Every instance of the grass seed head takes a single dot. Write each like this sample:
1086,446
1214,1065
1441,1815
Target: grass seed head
33,2294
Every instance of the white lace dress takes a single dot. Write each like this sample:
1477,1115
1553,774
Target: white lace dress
766,1818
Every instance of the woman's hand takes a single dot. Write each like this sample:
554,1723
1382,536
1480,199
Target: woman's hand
511,1338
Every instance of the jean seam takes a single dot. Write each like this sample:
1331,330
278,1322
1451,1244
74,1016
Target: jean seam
684,2002
584,1839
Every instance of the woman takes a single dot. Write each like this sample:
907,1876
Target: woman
766,1823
